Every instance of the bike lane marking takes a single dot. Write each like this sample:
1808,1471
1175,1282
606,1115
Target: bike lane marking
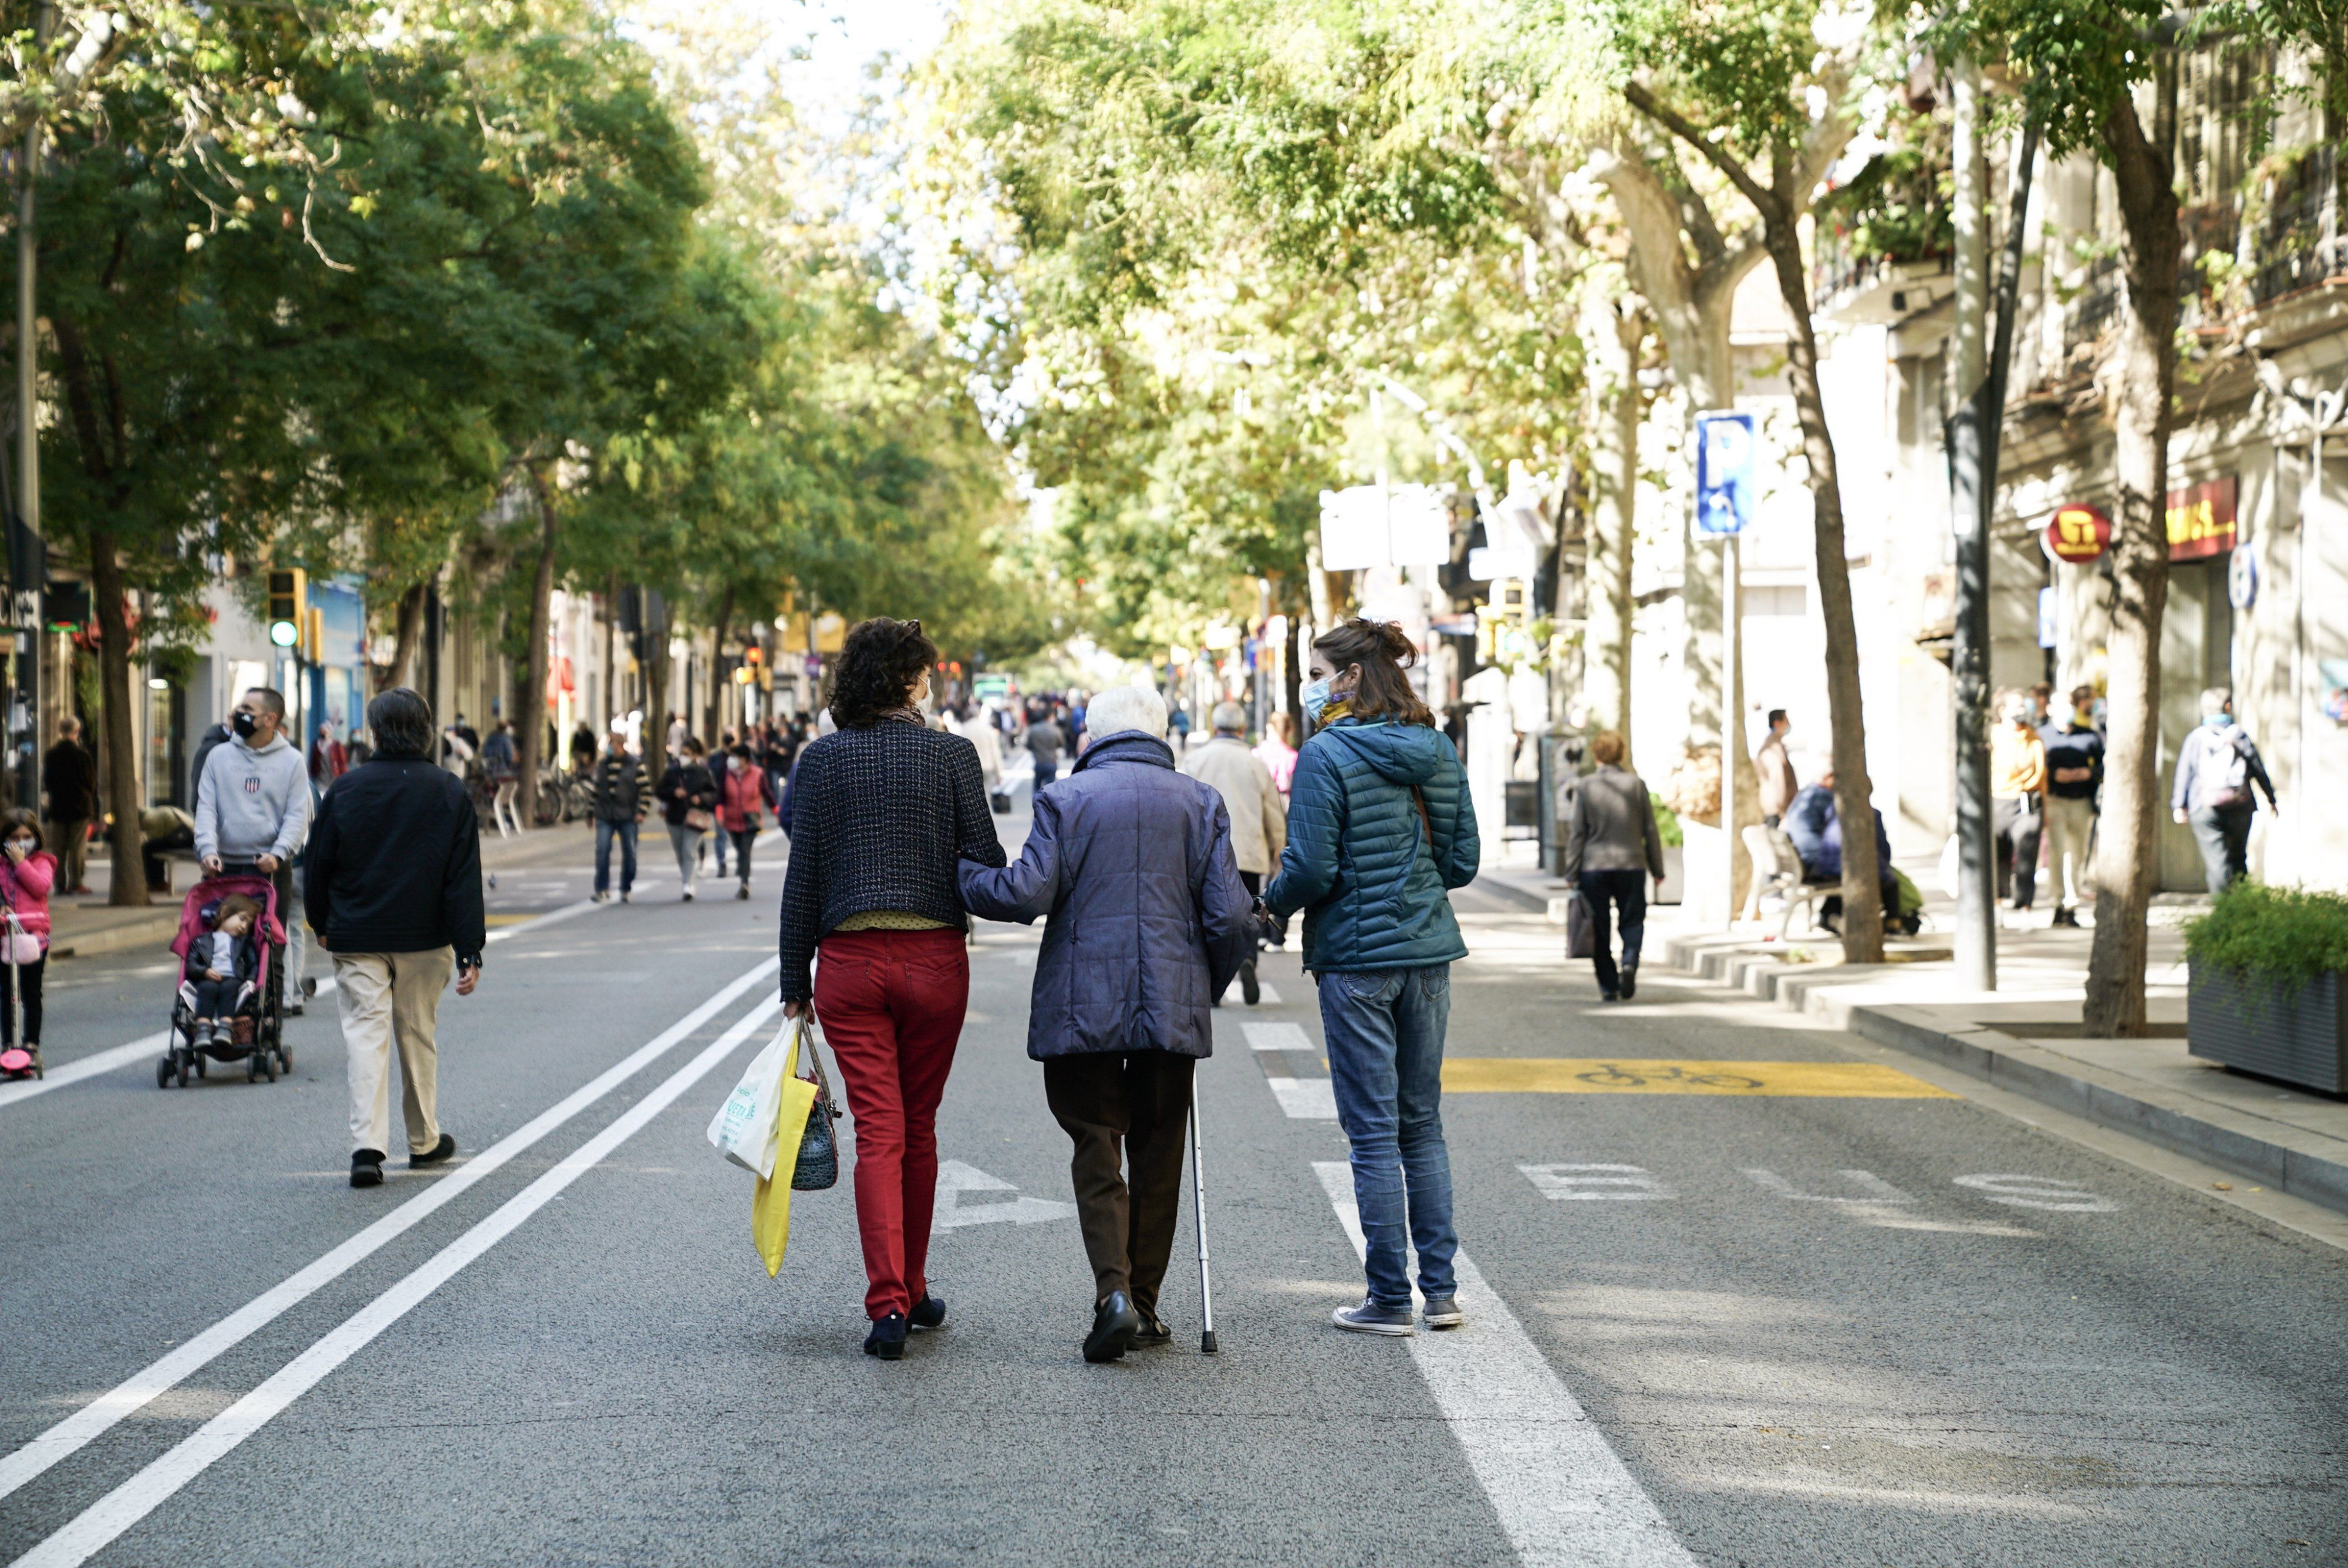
106,1061
97,1526
1562,1494
1621,1075
102,1413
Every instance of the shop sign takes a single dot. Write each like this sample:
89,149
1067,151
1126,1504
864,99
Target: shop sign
2201,520
2077,535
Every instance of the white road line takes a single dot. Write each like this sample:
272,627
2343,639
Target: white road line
1279,1037
123,1055
85,1067
1305,1099
97,1526
1561,1492
1266,997
103,1412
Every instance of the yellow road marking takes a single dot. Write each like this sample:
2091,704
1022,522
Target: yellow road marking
1573,1075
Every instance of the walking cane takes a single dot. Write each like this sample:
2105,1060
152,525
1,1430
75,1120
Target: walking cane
1199,1212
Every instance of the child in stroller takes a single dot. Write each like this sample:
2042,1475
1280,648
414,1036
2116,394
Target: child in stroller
221,965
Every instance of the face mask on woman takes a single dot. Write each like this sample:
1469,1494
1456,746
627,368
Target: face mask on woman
1315,697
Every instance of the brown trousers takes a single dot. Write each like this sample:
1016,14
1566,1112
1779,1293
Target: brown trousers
1143,1100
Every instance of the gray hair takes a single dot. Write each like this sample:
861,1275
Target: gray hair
2214,700
1229,716
402,722
1122,708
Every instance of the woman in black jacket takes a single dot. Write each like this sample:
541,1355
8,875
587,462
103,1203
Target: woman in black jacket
881,812
688,797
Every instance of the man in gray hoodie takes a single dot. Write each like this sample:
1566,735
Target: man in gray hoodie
253,804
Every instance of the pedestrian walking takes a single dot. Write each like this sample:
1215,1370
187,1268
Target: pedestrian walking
69,779
253,804
715,761
1775,770
328,758
979,730
1379,828
1277,752
689,806
392,887
620,793
1044,740
744,799
504,765
1259,815
28,872
882,810
1612,848
2217,773
2017,775
2074,775
1128,966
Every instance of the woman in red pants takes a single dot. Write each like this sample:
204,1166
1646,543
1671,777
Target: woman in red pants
881,811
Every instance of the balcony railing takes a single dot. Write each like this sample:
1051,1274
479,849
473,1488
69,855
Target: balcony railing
2302,243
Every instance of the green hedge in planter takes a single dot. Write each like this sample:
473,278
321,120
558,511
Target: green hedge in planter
2272,934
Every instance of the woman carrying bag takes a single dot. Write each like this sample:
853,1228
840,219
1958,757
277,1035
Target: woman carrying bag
882,811
688,796
741,810
1379,829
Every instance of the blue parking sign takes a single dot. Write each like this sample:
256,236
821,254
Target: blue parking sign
1724,486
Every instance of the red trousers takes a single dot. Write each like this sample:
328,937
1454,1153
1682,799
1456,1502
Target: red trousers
892,1005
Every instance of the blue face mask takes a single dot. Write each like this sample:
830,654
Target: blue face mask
1314,697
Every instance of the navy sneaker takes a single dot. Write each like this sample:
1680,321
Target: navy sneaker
1443,1312
1369,1317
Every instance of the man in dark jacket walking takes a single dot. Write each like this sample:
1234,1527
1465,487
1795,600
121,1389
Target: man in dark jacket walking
392,887
1131,860
623,794
70,775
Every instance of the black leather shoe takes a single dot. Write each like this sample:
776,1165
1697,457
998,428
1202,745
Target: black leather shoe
1115,1323
1152,1332
1630,983
887,1339
366,1168
929,1312
1249,991
440,1152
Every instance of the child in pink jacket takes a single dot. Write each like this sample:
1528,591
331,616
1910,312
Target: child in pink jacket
27,873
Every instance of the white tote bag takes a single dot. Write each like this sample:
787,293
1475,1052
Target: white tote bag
745,1128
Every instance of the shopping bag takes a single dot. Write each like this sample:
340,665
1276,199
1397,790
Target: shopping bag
746,1127
1581,929
817,1166
770,1210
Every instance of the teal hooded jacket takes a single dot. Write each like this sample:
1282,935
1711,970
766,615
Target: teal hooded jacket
1369,871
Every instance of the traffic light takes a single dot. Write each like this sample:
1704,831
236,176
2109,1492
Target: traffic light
289,595
314,635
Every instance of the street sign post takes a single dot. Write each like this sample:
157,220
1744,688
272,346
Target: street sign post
1726,485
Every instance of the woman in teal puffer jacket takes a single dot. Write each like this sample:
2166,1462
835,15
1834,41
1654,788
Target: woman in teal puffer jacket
1379,830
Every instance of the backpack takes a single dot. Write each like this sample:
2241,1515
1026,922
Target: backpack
2234,788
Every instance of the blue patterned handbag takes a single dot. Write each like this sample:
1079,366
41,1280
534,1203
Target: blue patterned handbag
817,1166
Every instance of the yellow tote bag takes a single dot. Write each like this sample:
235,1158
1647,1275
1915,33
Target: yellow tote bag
770,1210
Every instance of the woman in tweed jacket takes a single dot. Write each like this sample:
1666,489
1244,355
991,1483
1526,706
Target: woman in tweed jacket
881,812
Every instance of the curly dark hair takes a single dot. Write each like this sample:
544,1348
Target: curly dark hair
1383,652
880,664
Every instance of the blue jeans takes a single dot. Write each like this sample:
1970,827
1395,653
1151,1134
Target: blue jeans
1383,1028
604,831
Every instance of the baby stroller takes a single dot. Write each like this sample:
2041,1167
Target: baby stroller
256,1034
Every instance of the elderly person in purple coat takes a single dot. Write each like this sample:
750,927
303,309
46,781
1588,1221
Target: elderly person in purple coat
1147,922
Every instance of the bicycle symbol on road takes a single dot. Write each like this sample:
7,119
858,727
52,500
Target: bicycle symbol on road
1610,1076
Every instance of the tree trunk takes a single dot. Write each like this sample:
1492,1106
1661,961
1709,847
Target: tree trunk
128,877
612,706
2143,393
1862,890
530,710
1972,483
406,627
716,707
1614,492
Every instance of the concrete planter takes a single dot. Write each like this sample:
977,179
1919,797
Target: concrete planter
2298,1037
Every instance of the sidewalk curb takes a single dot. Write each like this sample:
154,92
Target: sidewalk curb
1988,1054
155,932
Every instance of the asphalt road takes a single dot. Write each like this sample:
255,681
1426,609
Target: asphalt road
1732,1312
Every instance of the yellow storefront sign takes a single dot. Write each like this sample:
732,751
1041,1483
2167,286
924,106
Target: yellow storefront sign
1575,1075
